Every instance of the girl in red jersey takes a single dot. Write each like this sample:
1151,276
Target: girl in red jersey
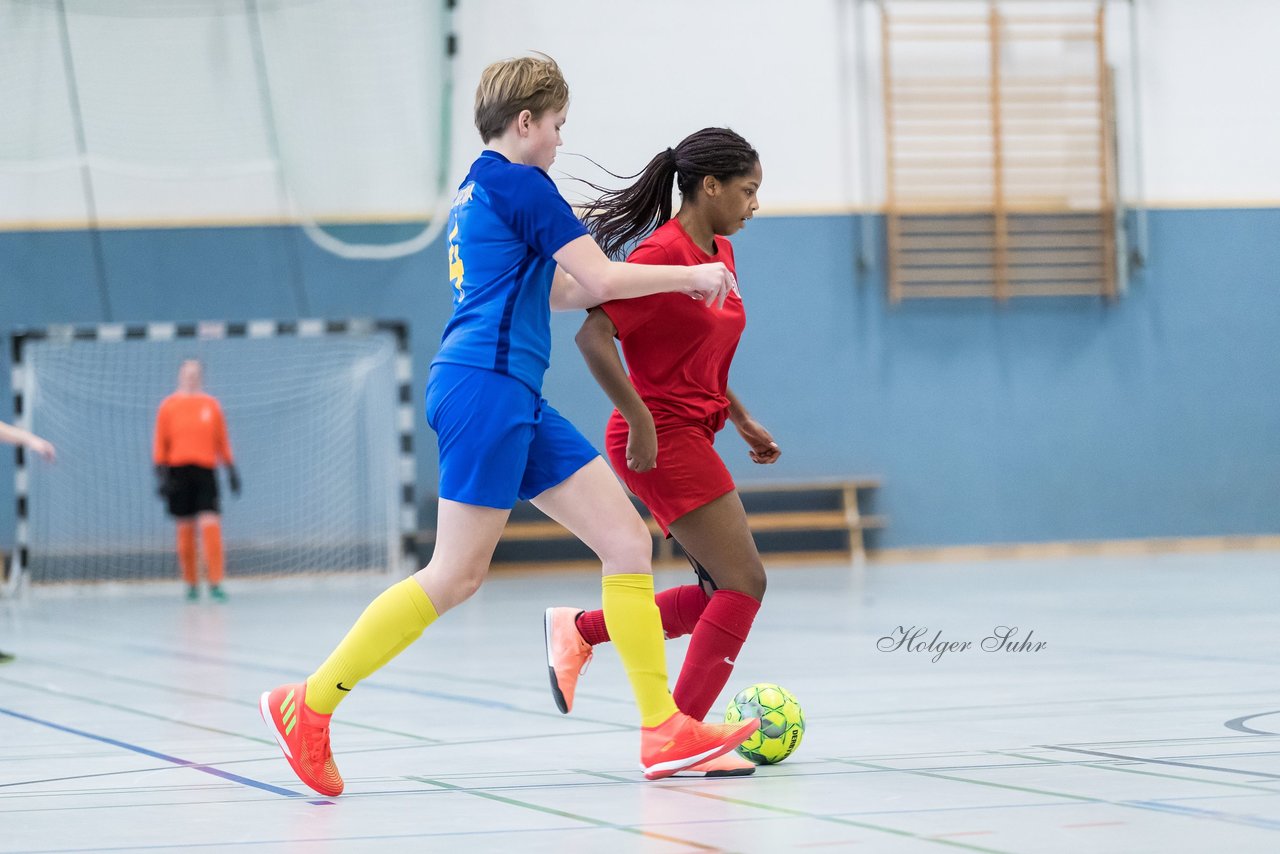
677,398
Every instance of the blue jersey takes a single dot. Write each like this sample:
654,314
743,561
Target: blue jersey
507,222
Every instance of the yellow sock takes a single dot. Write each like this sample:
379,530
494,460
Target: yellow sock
391,622
635,628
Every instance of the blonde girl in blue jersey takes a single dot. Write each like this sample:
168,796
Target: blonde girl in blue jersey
516,252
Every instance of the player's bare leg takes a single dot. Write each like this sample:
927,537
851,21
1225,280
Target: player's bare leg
719,543
299,714
718,536
718,540
466,536
593,506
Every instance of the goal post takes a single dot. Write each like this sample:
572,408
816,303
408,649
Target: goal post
320,419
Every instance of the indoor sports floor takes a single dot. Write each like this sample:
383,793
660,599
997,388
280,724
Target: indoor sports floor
1147,722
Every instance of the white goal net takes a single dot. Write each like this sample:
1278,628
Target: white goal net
318,427
328,113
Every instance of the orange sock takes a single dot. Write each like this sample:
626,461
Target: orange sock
211,533
187,551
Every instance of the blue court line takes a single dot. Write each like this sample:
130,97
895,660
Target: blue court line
1131,804
268,668
376,686
295,841
186,763
1233,818
1090,701
1146,760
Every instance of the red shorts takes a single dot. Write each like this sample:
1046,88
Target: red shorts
689,474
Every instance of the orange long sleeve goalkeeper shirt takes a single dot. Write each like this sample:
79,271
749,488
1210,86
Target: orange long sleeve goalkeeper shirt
190,431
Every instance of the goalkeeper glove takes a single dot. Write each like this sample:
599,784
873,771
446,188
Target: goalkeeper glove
233,480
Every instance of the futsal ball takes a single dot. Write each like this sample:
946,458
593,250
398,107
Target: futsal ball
781,722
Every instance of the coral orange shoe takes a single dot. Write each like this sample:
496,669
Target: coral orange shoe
303,735
680,742
567,654
728,765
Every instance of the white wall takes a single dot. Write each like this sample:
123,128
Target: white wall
1210,74
176,125
176,131
644,79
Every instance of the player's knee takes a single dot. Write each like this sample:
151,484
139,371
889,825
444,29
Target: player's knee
468,581
749,580
449,584
628,545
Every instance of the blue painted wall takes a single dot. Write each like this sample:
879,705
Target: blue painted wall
1032,421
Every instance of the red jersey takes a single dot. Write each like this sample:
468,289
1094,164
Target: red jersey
677,349
190,431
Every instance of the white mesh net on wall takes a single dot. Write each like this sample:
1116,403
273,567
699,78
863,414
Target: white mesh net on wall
311,110
312,424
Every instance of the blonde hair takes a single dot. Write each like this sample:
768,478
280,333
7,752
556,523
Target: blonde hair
510,86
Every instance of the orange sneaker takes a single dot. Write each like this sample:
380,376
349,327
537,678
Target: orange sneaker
303,735
728,765
567,654
680,742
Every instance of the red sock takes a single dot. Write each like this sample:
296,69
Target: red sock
713,649
680,608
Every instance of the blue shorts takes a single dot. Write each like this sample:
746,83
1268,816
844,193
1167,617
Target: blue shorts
499,440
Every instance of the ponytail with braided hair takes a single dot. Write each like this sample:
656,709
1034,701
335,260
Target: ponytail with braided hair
619,217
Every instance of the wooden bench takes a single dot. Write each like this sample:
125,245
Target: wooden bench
810,521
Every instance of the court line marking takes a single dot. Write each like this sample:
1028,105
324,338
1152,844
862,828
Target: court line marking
598,822
1195,812
378,686
174,760
205,695
58,692
539,689
1142,805
1106,766
1091,701
1134,742
352,752
848,822
381,749
294,841
458,698
1237,724
1144,760
1170,655
423,673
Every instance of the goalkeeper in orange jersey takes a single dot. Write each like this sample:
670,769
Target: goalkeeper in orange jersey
11,435
190,442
